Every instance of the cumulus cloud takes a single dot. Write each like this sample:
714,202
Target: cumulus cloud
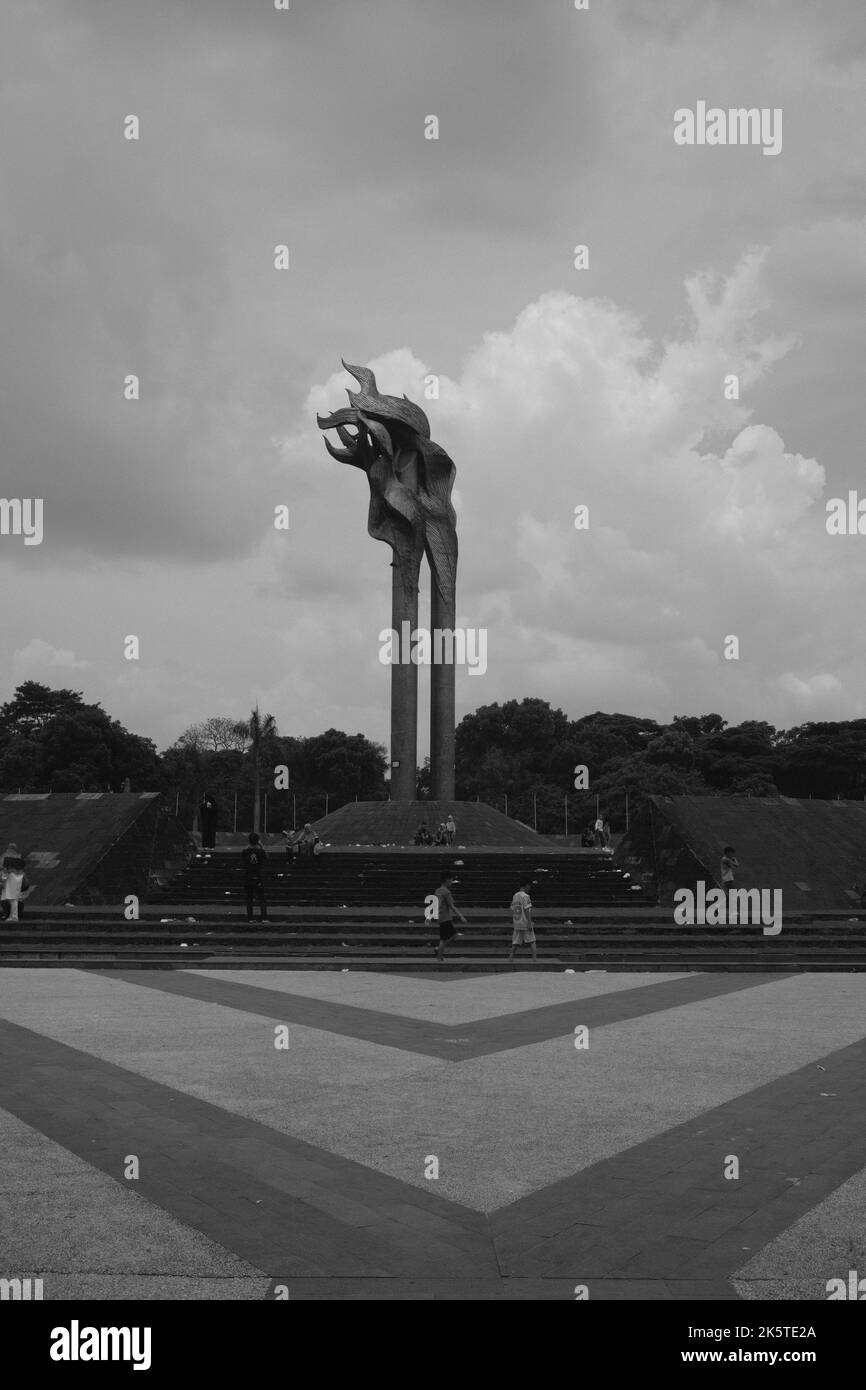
41,661
557,387
575,404
814,688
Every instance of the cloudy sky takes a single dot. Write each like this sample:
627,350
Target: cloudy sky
558,387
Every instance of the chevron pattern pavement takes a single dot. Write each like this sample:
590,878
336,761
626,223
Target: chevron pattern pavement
415,1141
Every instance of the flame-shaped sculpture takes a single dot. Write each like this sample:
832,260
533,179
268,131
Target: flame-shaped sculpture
410,480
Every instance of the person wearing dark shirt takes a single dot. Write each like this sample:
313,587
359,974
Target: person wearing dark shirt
253,861
209,811
447,911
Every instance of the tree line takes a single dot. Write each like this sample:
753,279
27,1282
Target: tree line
518,755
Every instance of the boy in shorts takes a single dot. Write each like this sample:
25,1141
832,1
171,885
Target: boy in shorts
448,910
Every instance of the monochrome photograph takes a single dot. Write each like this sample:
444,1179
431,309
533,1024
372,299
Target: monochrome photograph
432,714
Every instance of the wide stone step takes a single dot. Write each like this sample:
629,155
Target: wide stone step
425,963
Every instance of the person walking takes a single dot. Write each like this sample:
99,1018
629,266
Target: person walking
605,830
729,863
253,862
450,830
209,812
448,910
521,916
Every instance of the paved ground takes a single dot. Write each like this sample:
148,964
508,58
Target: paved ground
432,1139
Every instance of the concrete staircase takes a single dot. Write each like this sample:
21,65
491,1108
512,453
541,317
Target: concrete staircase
404,877
386,939
364,910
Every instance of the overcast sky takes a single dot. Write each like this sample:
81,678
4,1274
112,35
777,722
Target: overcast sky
558,386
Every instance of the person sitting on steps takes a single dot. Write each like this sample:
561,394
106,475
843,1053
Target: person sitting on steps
307,841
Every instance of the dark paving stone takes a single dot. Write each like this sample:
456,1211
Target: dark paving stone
440,977
263,1195
484,1037
692,1222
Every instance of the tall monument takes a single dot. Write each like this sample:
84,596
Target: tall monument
410,481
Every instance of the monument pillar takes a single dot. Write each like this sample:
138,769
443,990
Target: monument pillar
404,687
442,708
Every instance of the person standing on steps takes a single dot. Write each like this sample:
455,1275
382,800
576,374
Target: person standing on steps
729,863
450,830
253,861
13,884
448,910
521,916
209,812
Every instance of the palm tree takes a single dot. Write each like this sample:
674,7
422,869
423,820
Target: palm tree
257,730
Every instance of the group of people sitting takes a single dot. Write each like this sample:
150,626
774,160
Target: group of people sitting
302,843
444,834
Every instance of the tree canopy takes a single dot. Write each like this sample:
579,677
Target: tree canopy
50,740
521,751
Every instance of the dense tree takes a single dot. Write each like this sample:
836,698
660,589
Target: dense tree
528,751
640,777
325,770
218,734
511,747
823,759
739,753
52,741
22,765
672,747
31,707
525,751
697,725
